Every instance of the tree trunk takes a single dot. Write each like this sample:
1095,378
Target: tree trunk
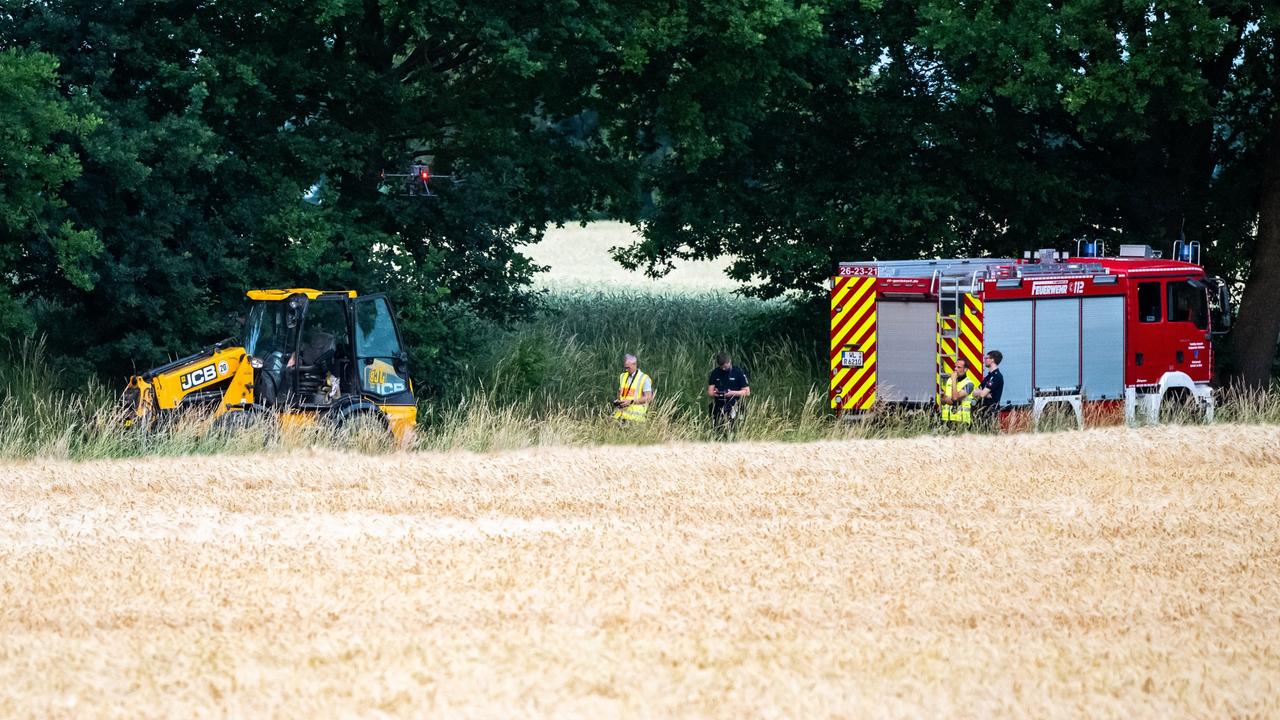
1258,328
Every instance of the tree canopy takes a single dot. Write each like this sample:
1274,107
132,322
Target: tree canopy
39,243
900,129
242,145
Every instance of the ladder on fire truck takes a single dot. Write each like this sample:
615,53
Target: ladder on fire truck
950,305
951,292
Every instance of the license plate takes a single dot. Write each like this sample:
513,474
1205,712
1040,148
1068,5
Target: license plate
851,359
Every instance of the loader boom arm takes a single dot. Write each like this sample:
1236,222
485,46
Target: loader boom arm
216,377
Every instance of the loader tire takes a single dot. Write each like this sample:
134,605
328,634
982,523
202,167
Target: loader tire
366,428
236,421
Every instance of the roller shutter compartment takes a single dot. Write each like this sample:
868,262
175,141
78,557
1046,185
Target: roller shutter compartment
1006,326
1057,344
906,348
1103,347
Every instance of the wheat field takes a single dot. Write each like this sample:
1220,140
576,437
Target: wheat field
578,256
1110,573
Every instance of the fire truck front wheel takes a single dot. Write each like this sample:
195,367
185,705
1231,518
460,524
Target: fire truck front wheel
1179,406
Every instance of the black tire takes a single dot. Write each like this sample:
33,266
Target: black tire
363,428
234,421
1180,407
252,428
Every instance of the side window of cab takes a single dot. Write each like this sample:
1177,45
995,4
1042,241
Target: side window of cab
1149,302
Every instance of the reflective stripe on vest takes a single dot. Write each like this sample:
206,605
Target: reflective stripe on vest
632,390
961,412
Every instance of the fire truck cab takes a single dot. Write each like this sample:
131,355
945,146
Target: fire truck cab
1110,337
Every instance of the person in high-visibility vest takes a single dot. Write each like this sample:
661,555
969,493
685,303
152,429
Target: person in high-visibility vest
957,396
635,392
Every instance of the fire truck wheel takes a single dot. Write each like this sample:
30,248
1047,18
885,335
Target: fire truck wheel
1180,407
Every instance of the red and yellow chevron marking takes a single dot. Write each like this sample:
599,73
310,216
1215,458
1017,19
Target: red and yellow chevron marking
853,328
971,336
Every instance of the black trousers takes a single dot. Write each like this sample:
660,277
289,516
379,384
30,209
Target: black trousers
724,416
986,418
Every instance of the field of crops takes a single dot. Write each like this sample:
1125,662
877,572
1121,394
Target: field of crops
578,256
1111,573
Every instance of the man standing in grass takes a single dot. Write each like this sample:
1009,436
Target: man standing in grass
725,386
635,392
957,398
989,391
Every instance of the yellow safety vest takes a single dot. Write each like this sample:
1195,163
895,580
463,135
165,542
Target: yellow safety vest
631,388
961,412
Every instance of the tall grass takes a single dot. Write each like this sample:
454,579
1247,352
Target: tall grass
40,418
572,353
545,382
1248,406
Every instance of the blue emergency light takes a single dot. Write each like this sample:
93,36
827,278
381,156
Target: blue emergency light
1184,252
1091,249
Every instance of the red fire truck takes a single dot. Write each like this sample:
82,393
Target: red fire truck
1099,334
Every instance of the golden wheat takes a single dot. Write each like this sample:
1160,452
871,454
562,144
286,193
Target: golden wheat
1110,573
578,256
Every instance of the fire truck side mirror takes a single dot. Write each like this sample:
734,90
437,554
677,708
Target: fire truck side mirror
1221,309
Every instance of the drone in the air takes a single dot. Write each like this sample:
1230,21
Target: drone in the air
416,182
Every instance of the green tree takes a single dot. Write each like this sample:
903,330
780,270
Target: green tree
840,141
915,129
40,247
243,145
1170,111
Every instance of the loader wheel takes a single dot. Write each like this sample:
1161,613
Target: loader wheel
363,430
236,421
247,429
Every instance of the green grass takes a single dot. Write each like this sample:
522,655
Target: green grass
544,382
572,354
550,381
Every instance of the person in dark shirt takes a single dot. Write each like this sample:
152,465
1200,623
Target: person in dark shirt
990,390
726,386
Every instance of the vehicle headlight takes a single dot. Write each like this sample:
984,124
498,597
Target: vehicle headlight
255,363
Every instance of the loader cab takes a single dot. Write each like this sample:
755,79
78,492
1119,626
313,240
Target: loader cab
315,350
270,339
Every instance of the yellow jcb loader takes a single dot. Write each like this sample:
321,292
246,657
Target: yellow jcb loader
304,355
